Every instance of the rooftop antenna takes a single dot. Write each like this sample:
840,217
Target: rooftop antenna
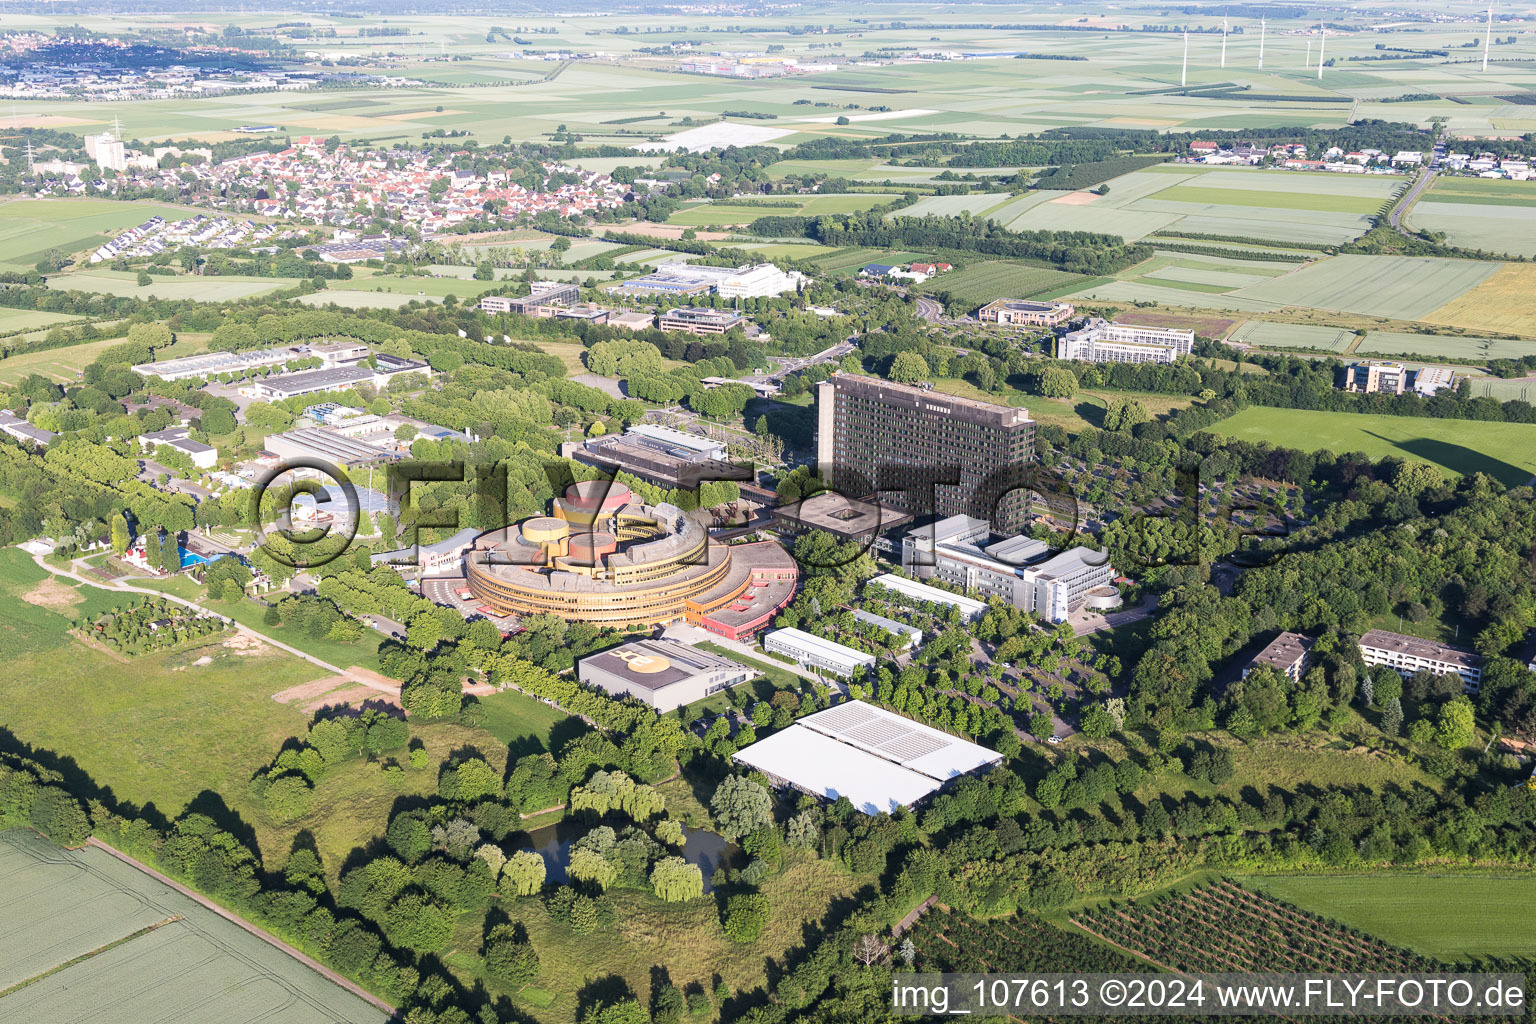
1488,38
1223,38
1322,43
1184,71
1261,44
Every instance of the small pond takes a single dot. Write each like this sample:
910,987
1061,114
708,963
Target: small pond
709,850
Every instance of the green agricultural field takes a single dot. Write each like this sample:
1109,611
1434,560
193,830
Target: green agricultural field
31,227
949,206
1478,213
18,320
1449,917
1505,451
980,283
1275,200
202,289
1403,287
1504,390
1174,293
1431,346
743,211
90,934
351,298
1261,334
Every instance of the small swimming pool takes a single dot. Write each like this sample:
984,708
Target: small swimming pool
190,558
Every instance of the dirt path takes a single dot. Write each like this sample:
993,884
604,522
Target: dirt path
266,937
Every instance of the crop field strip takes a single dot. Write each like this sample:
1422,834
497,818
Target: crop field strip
1431,346
1402,287
103,941
1262,334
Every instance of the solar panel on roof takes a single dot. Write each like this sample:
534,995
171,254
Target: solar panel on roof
913,746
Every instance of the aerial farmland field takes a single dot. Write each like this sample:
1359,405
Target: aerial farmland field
980,283
1404,287
1262,334
95,937
1504,301
1476,213
1434,346
206,289
29,228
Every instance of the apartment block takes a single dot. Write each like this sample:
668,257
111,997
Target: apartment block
1410,654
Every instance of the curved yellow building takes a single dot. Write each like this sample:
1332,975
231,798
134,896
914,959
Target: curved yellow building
605,558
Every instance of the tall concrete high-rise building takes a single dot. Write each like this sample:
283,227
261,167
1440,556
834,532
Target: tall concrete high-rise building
924,452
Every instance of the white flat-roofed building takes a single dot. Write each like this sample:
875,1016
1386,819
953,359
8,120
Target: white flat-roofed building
179,439
970,608
662,673
319,443
879,760
907,636
702,447
339,353
817,652
761,280
1410,654
1104,342
211,364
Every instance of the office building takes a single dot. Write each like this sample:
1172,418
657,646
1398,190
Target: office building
867,523
339,353
211,364
1287,654
814,652
1410,654
604,557
311,382
662,673
1022,313
1376,378
907,445
17,427
907,637
962,552
1104,342
699,320
179,439
441,558
879,760
327,446
911,592
759,281
542,300
659,455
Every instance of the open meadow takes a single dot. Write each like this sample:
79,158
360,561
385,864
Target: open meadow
1404,287
63,364
1262,334
1505,451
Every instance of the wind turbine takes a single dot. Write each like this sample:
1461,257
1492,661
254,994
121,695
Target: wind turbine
1184,71
1223,38
1488,39
1261,43
1322,44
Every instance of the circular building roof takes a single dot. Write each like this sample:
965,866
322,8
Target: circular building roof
545,530
591,495
591,545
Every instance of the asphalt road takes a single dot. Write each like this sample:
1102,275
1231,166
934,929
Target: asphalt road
1420,184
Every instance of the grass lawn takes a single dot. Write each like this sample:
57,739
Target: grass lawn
520,720
1450,917
154,729
66,363
781,678
1086,409
364,653
1506,451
